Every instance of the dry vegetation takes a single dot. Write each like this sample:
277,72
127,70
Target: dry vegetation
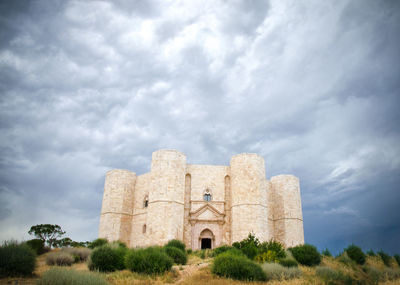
197,271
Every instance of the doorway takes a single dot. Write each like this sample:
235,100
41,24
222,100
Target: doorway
205,243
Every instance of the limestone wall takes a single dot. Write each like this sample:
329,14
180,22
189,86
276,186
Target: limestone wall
288,218
249,197
207,177
139,237
166,197
116,212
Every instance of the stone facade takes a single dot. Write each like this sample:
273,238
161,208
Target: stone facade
202,205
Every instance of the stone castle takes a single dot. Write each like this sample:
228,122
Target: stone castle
204,206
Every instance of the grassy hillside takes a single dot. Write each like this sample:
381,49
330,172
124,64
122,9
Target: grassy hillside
198,271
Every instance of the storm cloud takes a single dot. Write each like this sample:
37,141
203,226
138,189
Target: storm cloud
312,86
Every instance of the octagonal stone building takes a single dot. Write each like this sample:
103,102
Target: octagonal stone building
204,206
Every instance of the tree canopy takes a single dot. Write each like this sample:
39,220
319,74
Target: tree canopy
48,233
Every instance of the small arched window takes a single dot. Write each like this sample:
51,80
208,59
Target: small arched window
146,202
144,229
207,196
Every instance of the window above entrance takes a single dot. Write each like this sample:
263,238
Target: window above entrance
207,196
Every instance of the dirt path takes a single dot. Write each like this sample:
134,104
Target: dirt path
192,268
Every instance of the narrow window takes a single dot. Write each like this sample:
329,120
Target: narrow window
144,229
146,202
207,197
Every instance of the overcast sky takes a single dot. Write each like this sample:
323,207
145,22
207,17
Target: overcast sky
312,86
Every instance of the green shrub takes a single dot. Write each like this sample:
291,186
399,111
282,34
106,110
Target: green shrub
274,246
61,276
189,251
371,253
37,245
107,258
356,254
397,258
79,253
119,243
237,267
217,251
249,246
331,276
306,254
288,262
59,258
148,260
16,259
235,251
269,256
326,252
176,254
276,271
176,243
385,257
97,243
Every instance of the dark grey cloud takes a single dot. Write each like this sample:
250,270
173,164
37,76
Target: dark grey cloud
87,86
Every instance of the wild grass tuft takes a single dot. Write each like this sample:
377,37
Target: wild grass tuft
61,276
276,271
80,253
332,276
60,258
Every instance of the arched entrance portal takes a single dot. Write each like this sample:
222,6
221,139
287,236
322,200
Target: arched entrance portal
206,239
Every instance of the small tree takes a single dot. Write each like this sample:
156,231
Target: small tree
47,232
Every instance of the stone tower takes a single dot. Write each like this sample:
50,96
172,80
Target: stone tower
205,206
116,210
288,218
167,196
249,197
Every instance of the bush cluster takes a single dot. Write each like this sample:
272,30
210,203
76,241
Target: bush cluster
356,254
37,245
60,276
249,246
271,251
286,262
179,256
79,253
237,267
97,243
385,257
16,259
107,258
148,260
276,271
370,253
326,252
59,258
306,254
176,243
217,251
